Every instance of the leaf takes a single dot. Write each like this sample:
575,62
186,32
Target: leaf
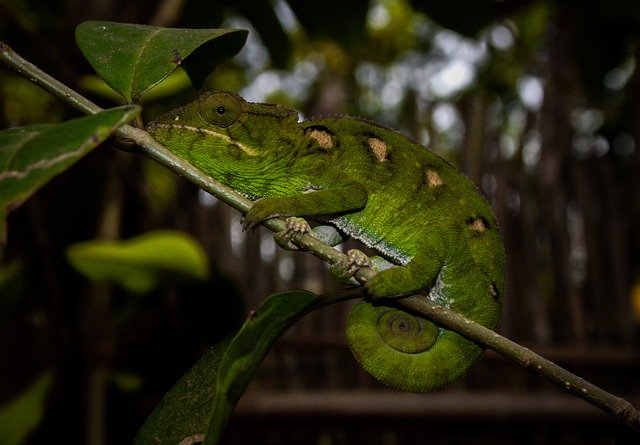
133,58
20,416
31,156
174,83
249,347
477,15
184,410
141,263
204,397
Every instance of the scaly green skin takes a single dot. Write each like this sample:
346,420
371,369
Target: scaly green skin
379,187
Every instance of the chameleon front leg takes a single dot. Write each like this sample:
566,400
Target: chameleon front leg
323,202
330,201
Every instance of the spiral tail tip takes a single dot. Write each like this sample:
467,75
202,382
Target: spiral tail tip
406,352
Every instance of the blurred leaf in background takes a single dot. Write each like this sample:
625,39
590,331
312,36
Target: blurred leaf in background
20,416
142,263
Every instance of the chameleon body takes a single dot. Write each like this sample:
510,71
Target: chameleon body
375,185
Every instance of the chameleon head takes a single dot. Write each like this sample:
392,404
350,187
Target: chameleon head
229,138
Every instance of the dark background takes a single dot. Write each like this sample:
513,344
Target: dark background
536,101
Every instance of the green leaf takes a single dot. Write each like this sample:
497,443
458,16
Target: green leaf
202,400
31,156
174,83
20,416
184,410
249,347
133,58
141,263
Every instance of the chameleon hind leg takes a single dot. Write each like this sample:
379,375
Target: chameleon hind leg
392,280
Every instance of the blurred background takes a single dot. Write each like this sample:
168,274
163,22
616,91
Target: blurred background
536,101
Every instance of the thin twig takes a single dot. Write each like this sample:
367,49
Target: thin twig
615,406
38,77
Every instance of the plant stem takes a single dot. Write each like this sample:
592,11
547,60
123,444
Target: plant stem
615,406
38,77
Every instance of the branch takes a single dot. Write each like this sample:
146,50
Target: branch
615,406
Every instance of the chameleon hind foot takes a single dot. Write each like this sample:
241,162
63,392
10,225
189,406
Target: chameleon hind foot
379,286
343,271
356,261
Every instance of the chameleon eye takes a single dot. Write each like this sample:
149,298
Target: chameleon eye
220,109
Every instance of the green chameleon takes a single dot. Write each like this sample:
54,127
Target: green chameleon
436,232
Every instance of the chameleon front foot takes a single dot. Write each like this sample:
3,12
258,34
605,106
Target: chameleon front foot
294,226
261,210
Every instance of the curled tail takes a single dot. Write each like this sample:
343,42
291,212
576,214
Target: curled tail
408,352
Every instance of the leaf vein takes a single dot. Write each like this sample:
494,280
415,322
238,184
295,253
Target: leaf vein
43,164
139,59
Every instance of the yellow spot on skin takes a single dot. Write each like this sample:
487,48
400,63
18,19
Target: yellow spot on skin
323,138
433,178
379,148
478,225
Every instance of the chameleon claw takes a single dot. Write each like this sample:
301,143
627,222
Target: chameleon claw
260,211
357,260
344,271
249,224
294,226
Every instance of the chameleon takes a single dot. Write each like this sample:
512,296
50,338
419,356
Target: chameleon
432,230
